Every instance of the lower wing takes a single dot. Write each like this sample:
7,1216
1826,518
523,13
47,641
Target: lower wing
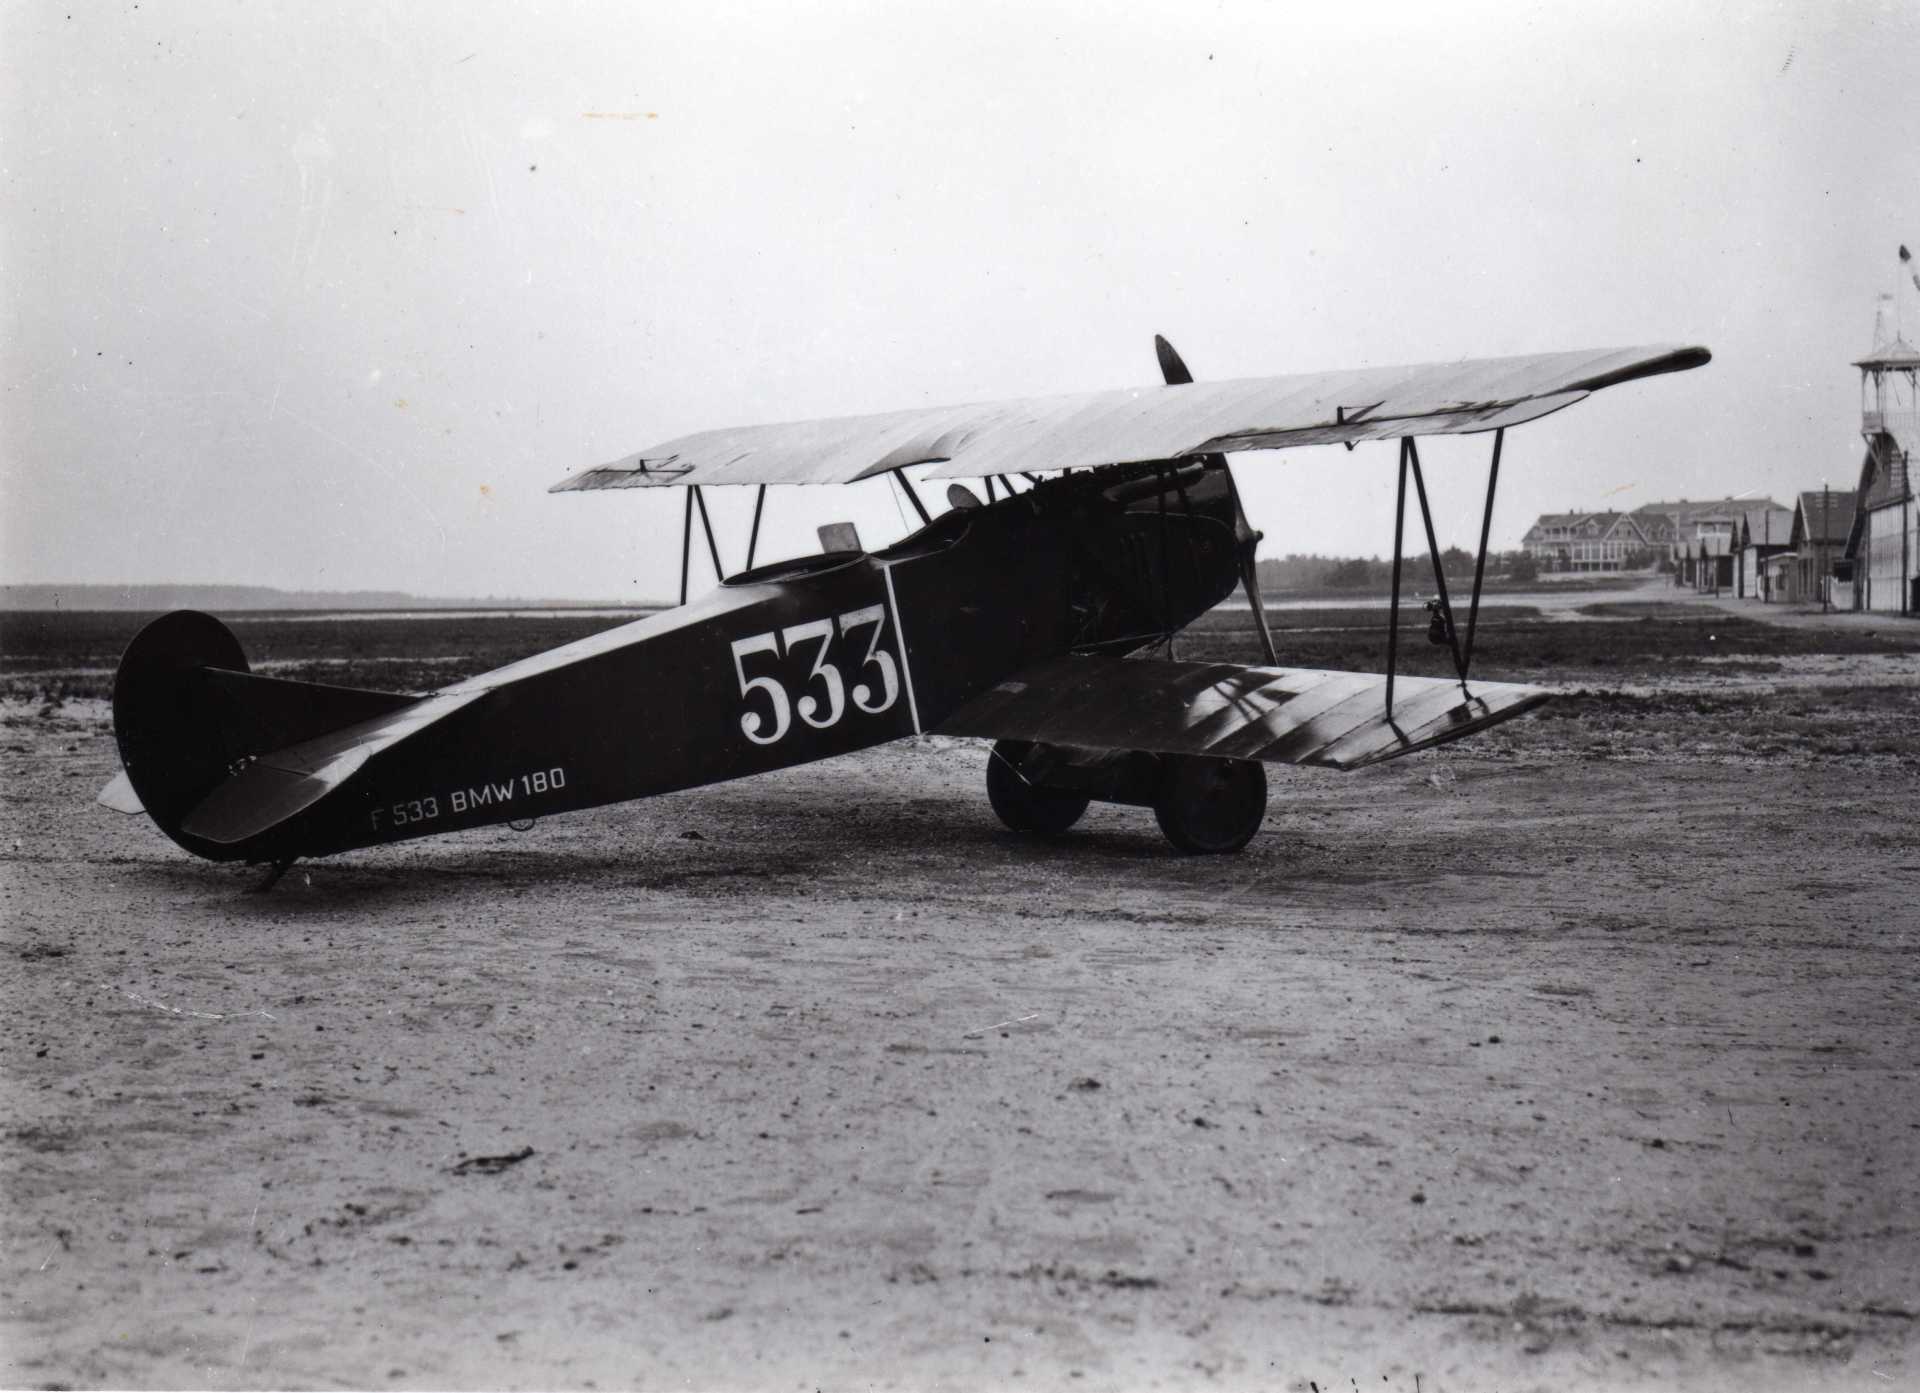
1337,720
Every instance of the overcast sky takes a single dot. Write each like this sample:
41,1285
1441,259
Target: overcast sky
327,296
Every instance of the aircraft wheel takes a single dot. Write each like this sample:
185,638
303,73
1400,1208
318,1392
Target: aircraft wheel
1022,807
1211,806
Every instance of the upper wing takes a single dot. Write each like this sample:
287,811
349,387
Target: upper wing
1281,715
1145,423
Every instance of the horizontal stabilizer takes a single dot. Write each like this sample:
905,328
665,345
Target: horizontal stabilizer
286,782
1337,720
257,799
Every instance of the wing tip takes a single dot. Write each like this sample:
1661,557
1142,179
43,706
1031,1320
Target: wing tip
1664,360
1516,701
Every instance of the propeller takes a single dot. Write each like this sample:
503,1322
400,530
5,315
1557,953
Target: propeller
1172,366
1174,369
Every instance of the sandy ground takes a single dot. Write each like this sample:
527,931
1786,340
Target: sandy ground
1504,1066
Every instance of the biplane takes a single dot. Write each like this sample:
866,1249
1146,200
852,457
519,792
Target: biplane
1029,614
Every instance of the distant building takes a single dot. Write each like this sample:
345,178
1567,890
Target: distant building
1821,521
1659,531
1588,542
1782,571
1762,532
1679,526
1882,543
1713,562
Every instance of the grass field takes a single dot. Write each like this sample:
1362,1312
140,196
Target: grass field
67,655
1516,643
71,655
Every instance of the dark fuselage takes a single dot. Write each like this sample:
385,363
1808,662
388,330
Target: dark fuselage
798,661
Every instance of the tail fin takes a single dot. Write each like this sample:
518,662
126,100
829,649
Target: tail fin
187,712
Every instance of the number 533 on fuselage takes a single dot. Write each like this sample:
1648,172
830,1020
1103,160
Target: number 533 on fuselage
1024,617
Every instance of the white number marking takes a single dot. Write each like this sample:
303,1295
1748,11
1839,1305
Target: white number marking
821,629
875,615
750,721
418,810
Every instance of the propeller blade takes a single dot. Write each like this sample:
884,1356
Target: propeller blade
1172,367
1250,582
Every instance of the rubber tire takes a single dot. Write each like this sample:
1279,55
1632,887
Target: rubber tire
1211,807
1040,812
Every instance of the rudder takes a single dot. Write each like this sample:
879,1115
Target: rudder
188,713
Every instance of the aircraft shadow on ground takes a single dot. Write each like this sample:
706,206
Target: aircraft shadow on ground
792,844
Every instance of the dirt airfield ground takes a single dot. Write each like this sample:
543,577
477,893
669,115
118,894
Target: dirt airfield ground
1582,1055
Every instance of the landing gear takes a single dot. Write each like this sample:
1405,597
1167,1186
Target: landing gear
1205,806
1211,806
1023,806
